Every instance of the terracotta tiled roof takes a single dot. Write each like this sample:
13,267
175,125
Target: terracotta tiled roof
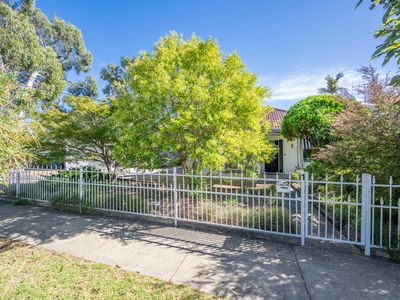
275,117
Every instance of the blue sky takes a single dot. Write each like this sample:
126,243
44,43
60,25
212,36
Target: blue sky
290,45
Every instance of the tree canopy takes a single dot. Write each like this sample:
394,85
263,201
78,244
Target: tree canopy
88,88
116,77
15,134
35,55
332,85
40,50
312,119
80,130
188,104
367,135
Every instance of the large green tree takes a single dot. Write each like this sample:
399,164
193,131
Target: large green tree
79,130
15,134
116,78
36,53
390,31
312,119
87,87
40,49
188,104
367,135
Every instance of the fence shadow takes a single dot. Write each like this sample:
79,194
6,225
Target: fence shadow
227,264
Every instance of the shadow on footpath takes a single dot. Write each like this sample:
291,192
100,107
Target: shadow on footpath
234,266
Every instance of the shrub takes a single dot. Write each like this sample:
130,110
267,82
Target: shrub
312,119
21,201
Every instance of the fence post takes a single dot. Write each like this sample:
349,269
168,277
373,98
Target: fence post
175,199
80,189
17,183
366,213
304,207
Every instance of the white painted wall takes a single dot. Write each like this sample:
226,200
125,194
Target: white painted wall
102,167
292,153
86,163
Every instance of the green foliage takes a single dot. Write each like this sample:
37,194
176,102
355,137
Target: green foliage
35,55
390,30
14,131
332,86
367,139
394,255
21,50
73,174
296,175
312,118
230,211
87,88
116,77
60,202
79,131
367,136
188,104
36,273
321,168
37,47
22,202
64,38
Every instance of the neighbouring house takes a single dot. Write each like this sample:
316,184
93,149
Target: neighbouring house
85,163
292,154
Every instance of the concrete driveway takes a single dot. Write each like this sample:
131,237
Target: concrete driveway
222,264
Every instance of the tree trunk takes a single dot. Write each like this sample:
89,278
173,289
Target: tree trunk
112,173
32,79
196,166
2,66
183,161
107,166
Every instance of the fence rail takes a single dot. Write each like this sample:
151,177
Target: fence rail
360,212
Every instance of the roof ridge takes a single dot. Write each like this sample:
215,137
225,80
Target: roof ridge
281,109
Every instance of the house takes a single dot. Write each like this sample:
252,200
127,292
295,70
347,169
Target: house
292,154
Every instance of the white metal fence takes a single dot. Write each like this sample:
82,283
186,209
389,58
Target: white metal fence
360,212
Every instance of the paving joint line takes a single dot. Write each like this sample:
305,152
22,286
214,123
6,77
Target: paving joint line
301,272
190,250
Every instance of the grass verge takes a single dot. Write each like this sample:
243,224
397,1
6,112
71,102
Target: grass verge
28,272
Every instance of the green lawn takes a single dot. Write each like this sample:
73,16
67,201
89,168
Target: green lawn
29,272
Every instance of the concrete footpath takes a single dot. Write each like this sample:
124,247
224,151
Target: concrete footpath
222,264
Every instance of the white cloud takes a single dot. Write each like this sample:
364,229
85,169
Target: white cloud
298,85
